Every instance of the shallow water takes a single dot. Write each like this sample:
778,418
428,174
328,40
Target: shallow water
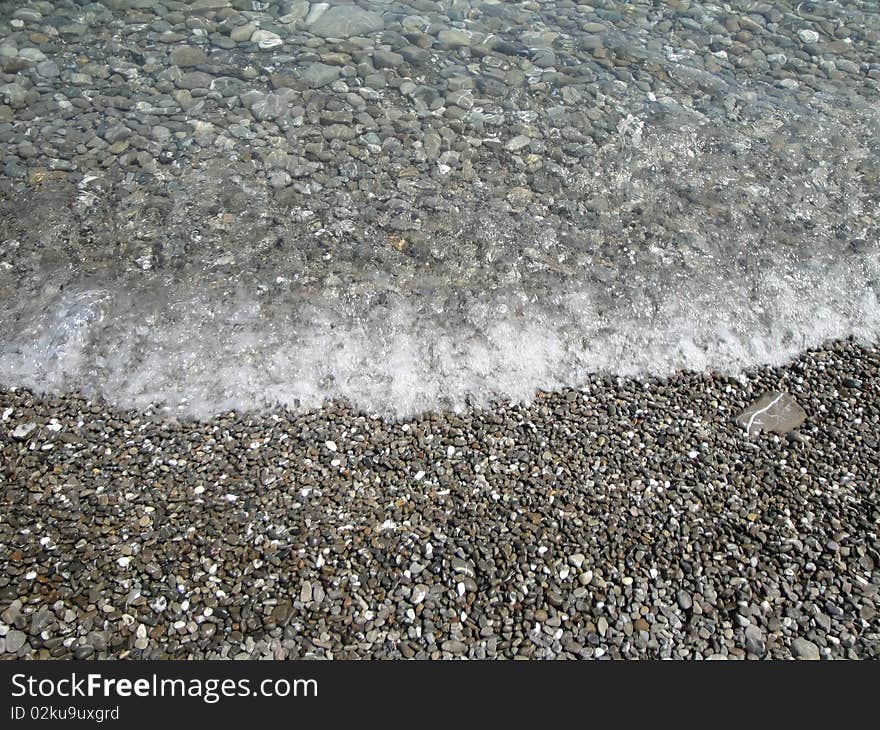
717,220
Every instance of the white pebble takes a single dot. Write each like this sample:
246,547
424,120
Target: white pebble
808,36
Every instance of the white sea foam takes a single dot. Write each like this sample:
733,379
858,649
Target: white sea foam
709,245
201,356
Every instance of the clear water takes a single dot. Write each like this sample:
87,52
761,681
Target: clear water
709,230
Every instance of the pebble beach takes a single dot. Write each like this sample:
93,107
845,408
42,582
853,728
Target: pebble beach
624,520
424,328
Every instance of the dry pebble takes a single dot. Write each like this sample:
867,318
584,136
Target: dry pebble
625,519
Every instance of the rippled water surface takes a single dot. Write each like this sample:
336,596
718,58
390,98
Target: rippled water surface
219,205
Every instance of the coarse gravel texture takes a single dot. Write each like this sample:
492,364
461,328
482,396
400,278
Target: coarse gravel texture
220,203
625,519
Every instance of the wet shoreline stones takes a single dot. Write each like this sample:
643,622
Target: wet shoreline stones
625,519
459,104
625,174
468,143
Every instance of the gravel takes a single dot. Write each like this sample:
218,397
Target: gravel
646,181
624,519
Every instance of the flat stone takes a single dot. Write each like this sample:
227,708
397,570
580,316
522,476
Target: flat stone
518,143
519,197
431,143
41,621
464,567
755,640
15,639
387,59
185,56
13,94
776,411
281,612
209,4
28,15
23,430
685,602
418,594
270,105
296,10
266,39
454,38
279,179
195,80
317,75
570,95
804,649
32,54
339,131
345,21
376,81
116,133
463,99
242,33
11,612
48,69
454,647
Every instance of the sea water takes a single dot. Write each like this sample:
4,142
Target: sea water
715,229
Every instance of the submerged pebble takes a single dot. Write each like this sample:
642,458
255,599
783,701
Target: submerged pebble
404,261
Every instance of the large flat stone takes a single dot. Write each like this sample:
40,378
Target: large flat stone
777,412
345,21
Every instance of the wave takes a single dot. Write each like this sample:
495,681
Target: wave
686,242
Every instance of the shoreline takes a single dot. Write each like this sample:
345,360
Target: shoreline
625,519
